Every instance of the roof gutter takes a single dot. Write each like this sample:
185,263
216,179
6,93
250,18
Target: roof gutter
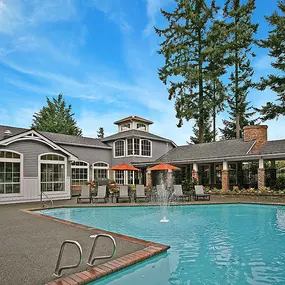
227,158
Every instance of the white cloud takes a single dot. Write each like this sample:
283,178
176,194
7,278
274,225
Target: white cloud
112,9
15,16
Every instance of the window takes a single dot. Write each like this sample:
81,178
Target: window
53,174
100,170
10,172
133,146
136,146
79,173
119,177
119,148
125,127
130,146
145,148
141,127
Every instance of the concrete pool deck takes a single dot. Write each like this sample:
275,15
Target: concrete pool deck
30,244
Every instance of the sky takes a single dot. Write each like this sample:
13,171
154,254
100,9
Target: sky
102,56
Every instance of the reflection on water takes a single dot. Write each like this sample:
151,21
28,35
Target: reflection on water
214,244
280,219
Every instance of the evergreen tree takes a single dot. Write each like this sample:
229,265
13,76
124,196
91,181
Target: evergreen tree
100,133
240,42
56,117
276,45
186,58
215,89
208,133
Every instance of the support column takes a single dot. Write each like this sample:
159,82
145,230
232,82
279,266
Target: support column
195,176
148,178
225,176
261,174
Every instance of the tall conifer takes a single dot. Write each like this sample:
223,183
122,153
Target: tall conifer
186,59
241,39
276,82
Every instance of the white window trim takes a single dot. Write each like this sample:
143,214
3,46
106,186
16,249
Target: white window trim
21,160
150,148
81,167
51,193
140,148
114,148
100,167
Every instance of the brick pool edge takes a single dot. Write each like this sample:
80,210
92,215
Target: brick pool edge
99,271
151,249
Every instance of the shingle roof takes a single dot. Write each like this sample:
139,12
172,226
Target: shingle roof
211,150
135,118
136,133
277,146
58,138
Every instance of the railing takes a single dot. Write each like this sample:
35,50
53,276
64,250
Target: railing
47,198
58,269
91,260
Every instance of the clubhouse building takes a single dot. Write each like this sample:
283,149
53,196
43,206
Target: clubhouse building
32,162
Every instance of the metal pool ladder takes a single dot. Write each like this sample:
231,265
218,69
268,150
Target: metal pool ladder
47,198
58,269
91,260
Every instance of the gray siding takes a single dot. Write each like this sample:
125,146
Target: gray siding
90,154
31,151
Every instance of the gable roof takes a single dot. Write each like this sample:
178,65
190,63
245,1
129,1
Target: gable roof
136,133
219,149
133,118
59,138
34,135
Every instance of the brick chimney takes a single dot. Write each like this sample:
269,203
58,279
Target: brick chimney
257,133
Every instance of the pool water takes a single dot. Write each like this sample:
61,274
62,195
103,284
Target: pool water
210,244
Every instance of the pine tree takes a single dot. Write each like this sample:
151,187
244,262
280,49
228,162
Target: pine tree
208,133
100,133
276,45
56,117
215,89
186,57
240,42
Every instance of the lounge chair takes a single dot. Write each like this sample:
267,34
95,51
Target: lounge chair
101,194
199,193
140,194
85,194
178,193
124,193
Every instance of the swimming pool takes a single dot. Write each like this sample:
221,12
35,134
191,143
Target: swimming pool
210,244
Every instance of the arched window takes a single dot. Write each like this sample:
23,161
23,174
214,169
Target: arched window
145,148
100,170
125,127
119,148
11,164
53,172
79,173
141,127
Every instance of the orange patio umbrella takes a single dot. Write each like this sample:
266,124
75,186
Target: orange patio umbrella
124,166
164,166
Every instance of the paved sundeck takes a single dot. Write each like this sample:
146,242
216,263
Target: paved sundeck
30,244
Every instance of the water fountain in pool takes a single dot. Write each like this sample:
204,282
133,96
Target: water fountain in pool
164,192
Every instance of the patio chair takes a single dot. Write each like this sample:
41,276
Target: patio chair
199,193
124,193
85,194
101,194
140,194
178,193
